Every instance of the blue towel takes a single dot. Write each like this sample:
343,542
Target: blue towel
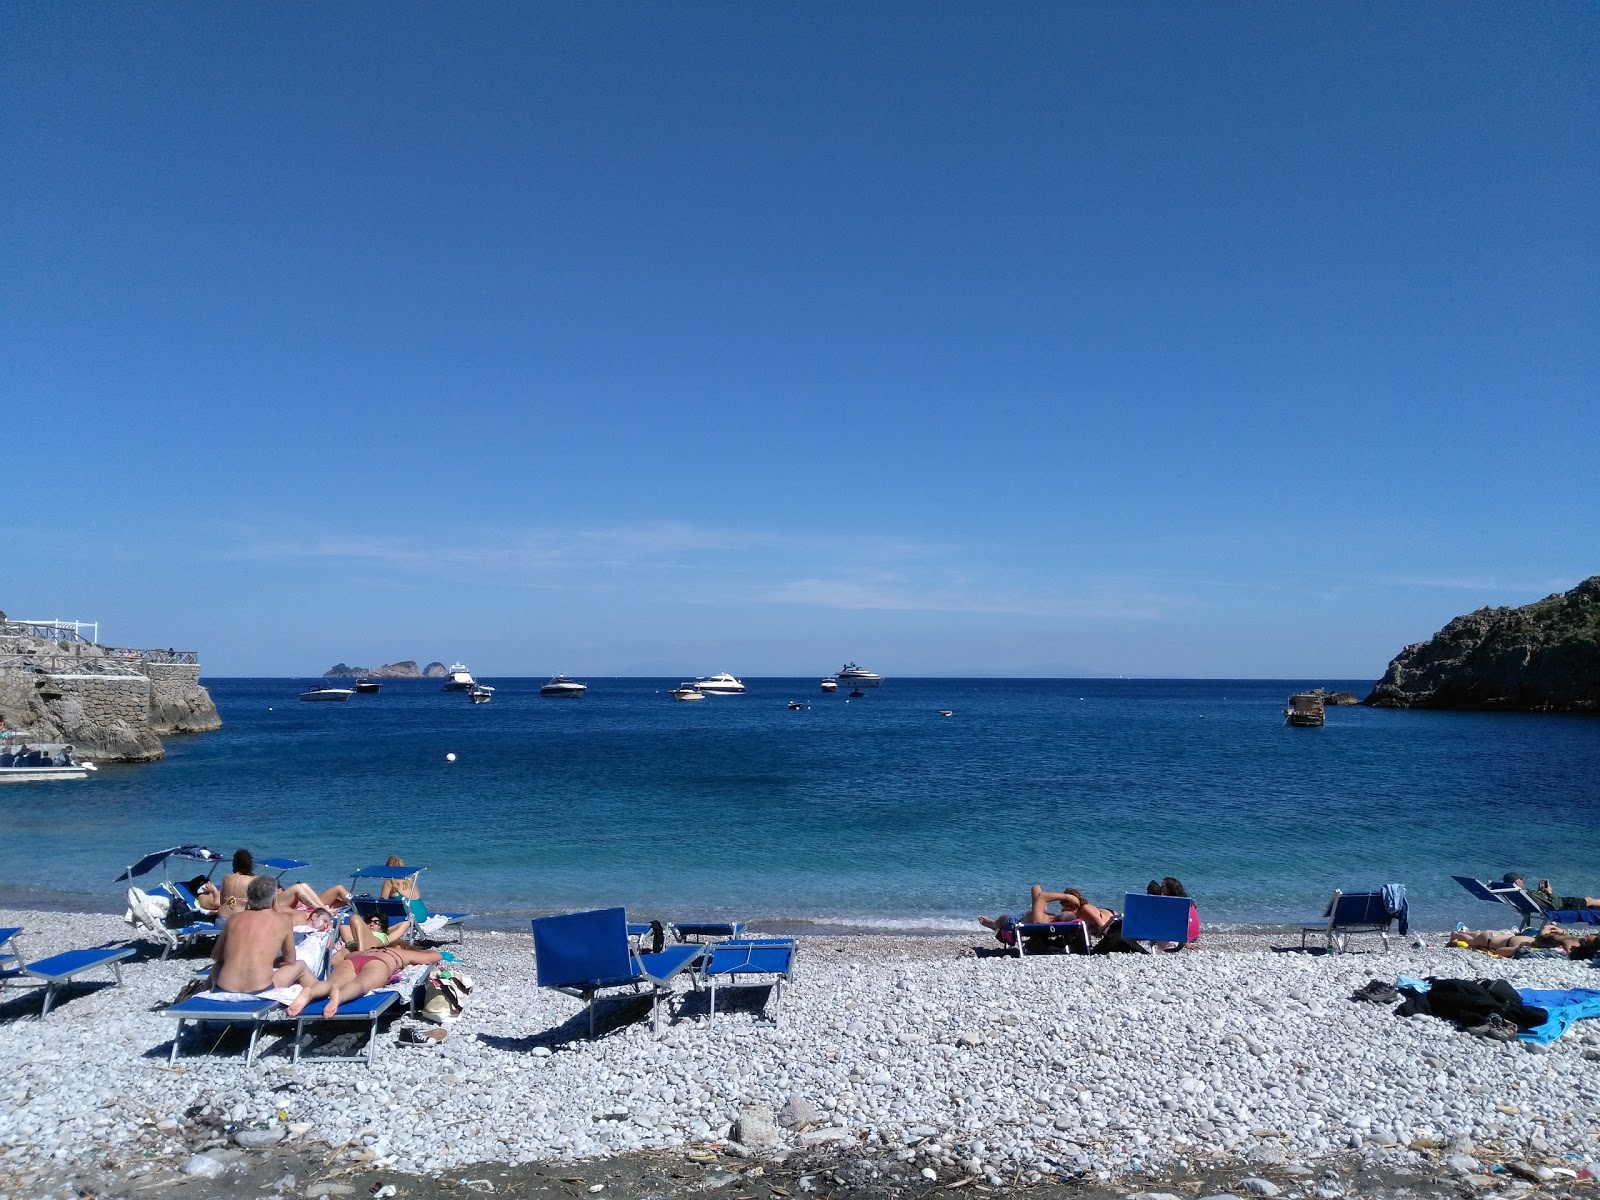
1565,1005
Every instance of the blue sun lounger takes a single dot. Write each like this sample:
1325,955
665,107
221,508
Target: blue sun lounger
1155,919
396,908
1045,937
61,970
1529,910
1348,913
740,958
368,1008
582,954
197,923
198,1010
10,955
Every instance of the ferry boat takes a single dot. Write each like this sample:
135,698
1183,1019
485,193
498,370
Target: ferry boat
720,684
858,676
562,686
326,691
460,679
1305,710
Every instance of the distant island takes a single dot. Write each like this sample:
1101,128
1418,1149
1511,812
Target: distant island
398,670
1542,657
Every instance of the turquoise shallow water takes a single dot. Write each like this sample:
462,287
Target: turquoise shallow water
872,813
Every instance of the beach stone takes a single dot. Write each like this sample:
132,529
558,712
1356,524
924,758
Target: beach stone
796,1112
1464,1163
755,1127
203,1166
1257,1186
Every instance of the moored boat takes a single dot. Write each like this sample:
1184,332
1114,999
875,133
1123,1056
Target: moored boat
460,679
720,684
560,685
481,693
1305,710
326,691
830,684
858,676
367,686
686,691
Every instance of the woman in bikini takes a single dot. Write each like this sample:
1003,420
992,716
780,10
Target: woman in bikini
360,972
237,882
364,933
1506,945
1072,905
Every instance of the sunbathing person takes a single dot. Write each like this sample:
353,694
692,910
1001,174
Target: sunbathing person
359,972
301,897
1547,897
405,888
205,894
237,881
363,933
1506,945
1071,906
253,941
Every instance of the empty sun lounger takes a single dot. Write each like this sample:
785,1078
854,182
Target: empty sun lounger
199,1010
742,959
61,970
1350,913
10,956
368,1008
582,954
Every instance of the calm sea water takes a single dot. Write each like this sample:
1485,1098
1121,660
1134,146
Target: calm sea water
875,813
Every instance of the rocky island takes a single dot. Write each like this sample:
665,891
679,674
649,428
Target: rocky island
397,670
111,704
1542,657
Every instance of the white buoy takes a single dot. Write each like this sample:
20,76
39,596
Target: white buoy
449,758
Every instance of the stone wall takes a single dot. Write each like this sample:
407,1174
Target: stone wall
103,716
178,704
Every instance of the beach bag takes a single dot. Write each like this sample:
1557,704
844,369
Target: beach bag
443,996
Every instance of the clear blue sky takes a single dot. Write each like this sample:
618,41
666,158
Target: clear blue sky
1175,339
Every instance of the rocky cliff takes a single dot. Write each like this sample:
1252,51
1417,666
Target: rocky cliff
399,670
112,705
1542,657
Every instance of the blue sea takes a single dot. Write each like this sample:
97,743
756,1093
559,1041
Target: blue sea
875,813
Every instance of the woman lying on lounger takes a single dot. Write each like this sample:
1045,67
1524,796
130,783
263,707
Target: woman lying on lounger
358,972
1071,907
364,933
1507,945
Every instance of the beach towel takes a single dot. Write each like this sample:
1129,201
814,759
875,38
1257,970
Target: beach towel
283,995
1565,1005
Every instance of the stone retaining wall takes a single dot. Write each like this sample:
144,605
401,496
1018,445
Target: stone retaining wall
178,704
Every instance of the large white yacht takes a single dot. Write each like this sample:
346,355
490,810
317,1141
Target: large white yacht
562,686
459,680
720,684
852,674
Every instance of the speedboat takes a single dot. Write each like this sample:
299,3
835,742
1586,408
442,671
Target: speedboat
720,684
796,705
686,691
856,693
41,764
367,686
460,679
562,686
852,674
326,692
830,684
481,693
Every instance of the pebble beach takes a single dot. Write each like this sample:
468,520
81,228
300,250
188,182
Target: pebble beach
916,1061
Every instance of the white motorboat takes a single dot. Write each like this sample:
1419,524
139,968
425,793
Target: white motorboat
857,677
481,693
720,684
686,691
327,692
41,764
459,680
830,684
562,686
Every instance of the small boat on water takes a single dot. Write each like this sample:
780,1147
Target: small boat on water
830,684
686,691
41,763
366,687
562,686
796,705
481,693
1305,710
856,693
326,691
858,676
720,684
460,679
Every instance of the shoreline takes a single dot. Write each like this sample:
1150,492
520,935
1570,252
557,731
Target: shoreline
905,1054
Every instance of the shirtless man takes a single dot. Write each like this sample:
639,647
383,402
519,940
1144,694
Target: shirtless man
1073,908
253,941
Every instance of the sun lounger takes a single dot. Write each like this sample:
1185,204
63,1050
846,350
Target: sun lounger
1155,919
1051,937
706,930
582,954
1350,913
368,1008
1529,910
396,908
738,959
201,1010
10,956
61,970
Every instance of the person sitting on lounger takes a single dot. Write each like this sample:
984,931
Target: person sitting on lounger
253,941
1071,906
236,882
1546,897
205,894
374,930
1172,886
291,897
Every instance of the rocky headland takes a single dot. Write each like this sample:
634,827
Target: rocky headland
406,669
1542,657
111,704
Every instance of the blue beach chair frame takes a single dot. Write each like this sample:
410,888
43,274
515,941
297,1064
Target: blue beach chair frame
198,923
61,970
1070,937
582,954
1147,918
369,1008
256,1014
10,953
1350,913
741,958
1528,909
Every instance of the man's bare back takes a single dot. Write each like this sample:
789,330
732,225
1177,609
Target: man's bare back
249,944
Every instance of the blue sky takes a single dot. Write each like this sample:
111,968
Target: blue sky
1180,339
